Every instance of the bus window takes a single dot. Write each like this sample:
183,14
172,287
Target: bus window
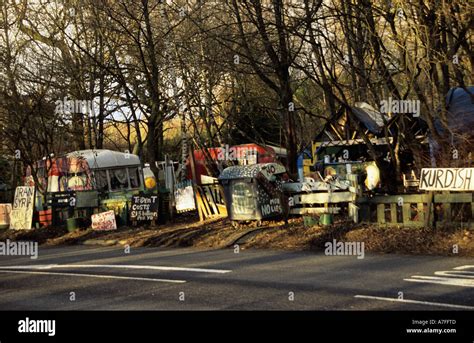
101,180
134,177
118,179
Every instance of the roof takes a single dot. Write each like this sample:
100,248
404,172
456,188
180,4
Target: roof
364,113
372,119
100,158
250,171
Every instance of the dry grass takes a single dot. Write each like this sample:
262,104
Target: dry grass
425,241
274,235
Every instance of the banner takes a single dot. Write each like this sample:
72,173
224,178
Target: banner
21,217
447,179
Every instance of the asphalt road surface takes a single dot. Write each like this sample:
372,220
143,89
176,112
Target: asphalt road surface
107,278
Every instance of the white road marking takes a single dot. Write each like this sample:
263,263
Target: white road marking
408,301
455,273
464,267
458,277
93,276
120,266
442,280
53,254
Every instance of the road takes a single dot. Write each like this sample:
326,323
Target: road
108,278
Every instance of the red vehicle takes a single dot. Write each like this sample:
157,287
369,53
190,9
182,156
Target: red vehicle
222,157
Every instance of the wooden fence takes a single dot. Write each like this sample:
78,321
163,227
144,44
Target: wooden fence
418,210
322,202
408,210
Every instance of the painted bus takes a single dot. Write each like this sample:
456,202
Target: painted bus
102,170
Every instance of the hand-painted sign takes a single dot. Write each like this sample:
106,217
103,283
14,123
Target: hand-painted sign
104,221
447,179
21,216
184,197
144,207
270,169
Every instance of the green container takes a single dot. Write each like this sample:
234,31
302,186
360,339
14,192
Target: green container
309,221
326,219
73,224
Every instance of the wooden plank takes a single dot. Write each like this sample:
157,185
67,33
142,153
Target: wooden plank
221,193
194,183
210,200
388,199
298,187
393,213
205,201
421,212
381,213
429,216
201,206
222,210
215,194
323,198
453,198
218,201
406,213
415,225
353,212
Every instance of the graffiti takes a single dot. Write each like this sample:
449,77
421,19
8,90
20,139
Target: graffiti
273,207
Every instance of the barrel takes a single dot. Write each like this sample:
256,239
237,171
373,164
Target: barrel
46,218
